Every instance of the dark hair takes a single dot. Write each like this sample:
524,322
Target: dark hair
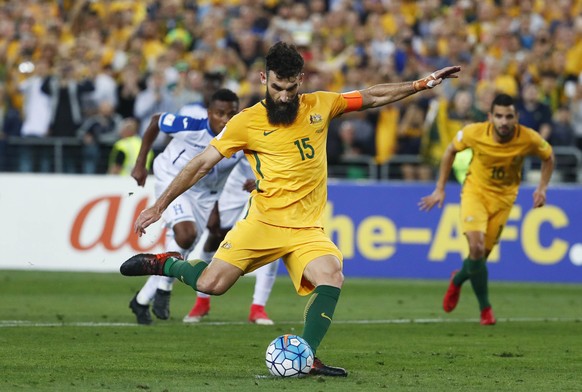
225,95
284,60
502,100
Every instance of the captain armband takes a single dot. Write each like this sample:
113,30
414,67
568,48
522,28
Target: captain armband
354,101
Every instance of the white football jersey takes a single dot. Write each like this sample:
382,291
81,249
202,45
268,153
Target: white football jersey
234,199
190,136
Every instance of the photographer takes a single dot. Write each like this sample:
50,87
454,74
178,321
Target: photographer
65,90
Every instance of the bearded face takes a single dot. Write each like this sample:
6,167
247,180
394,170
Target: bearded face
504,119
281,113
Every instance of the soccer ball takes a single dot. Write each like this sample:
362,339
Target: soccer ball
289,356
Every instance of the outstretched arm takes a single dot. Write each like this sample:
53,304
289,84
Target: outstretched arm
197,168
383,94
539,195
139,171
438,196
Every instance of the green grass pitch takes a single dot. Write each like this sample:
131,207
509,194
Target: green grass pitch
74,332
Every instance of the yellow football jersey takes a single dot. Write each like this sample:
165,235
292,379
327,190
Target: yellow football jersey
496,167
289,162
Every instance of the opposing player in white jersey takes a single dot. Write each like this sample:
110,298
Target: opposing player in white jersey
188,215
231,207
186,218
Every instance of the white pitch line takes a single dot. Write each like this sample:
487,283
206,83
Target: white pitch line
26,323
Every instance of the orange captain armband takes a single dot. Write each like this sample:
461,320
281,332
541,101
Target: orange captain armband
354,101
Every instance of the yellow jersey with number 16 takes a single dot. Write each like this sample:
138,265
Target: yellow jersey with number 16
289,161
496,167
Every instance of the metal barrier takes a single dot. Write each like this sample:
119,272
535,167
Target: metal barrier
367,164
567,168
356,167
568,160
388,169
53,149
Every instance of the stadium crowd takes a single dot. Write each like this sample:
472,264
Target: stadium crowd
73,71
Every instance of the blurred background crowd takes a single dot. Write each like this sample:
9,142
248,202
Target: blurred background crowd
76,76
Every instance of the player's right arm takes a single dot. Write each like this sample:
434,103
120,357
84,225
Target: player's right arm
385,93
139,171
438,195
197,168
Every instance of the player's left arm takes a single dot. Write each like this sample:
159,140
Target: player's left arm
539,195
383,94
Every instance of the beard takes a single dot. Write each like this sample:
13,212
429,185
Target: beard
281,113
504,133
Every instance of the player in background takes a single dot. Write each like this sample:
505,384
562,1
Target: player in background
185,227
284,138
188,214
489,190
230,208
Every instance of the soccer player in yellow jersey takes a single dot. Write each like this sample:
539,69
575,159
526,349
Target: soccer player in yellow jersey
284,139
489,190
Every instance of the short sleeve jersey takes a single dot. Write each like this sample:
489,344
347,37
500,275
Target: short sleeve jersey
289,161
496,167
190,136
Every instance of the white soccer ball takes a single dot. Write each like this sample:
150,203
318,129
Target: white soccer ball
289,356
